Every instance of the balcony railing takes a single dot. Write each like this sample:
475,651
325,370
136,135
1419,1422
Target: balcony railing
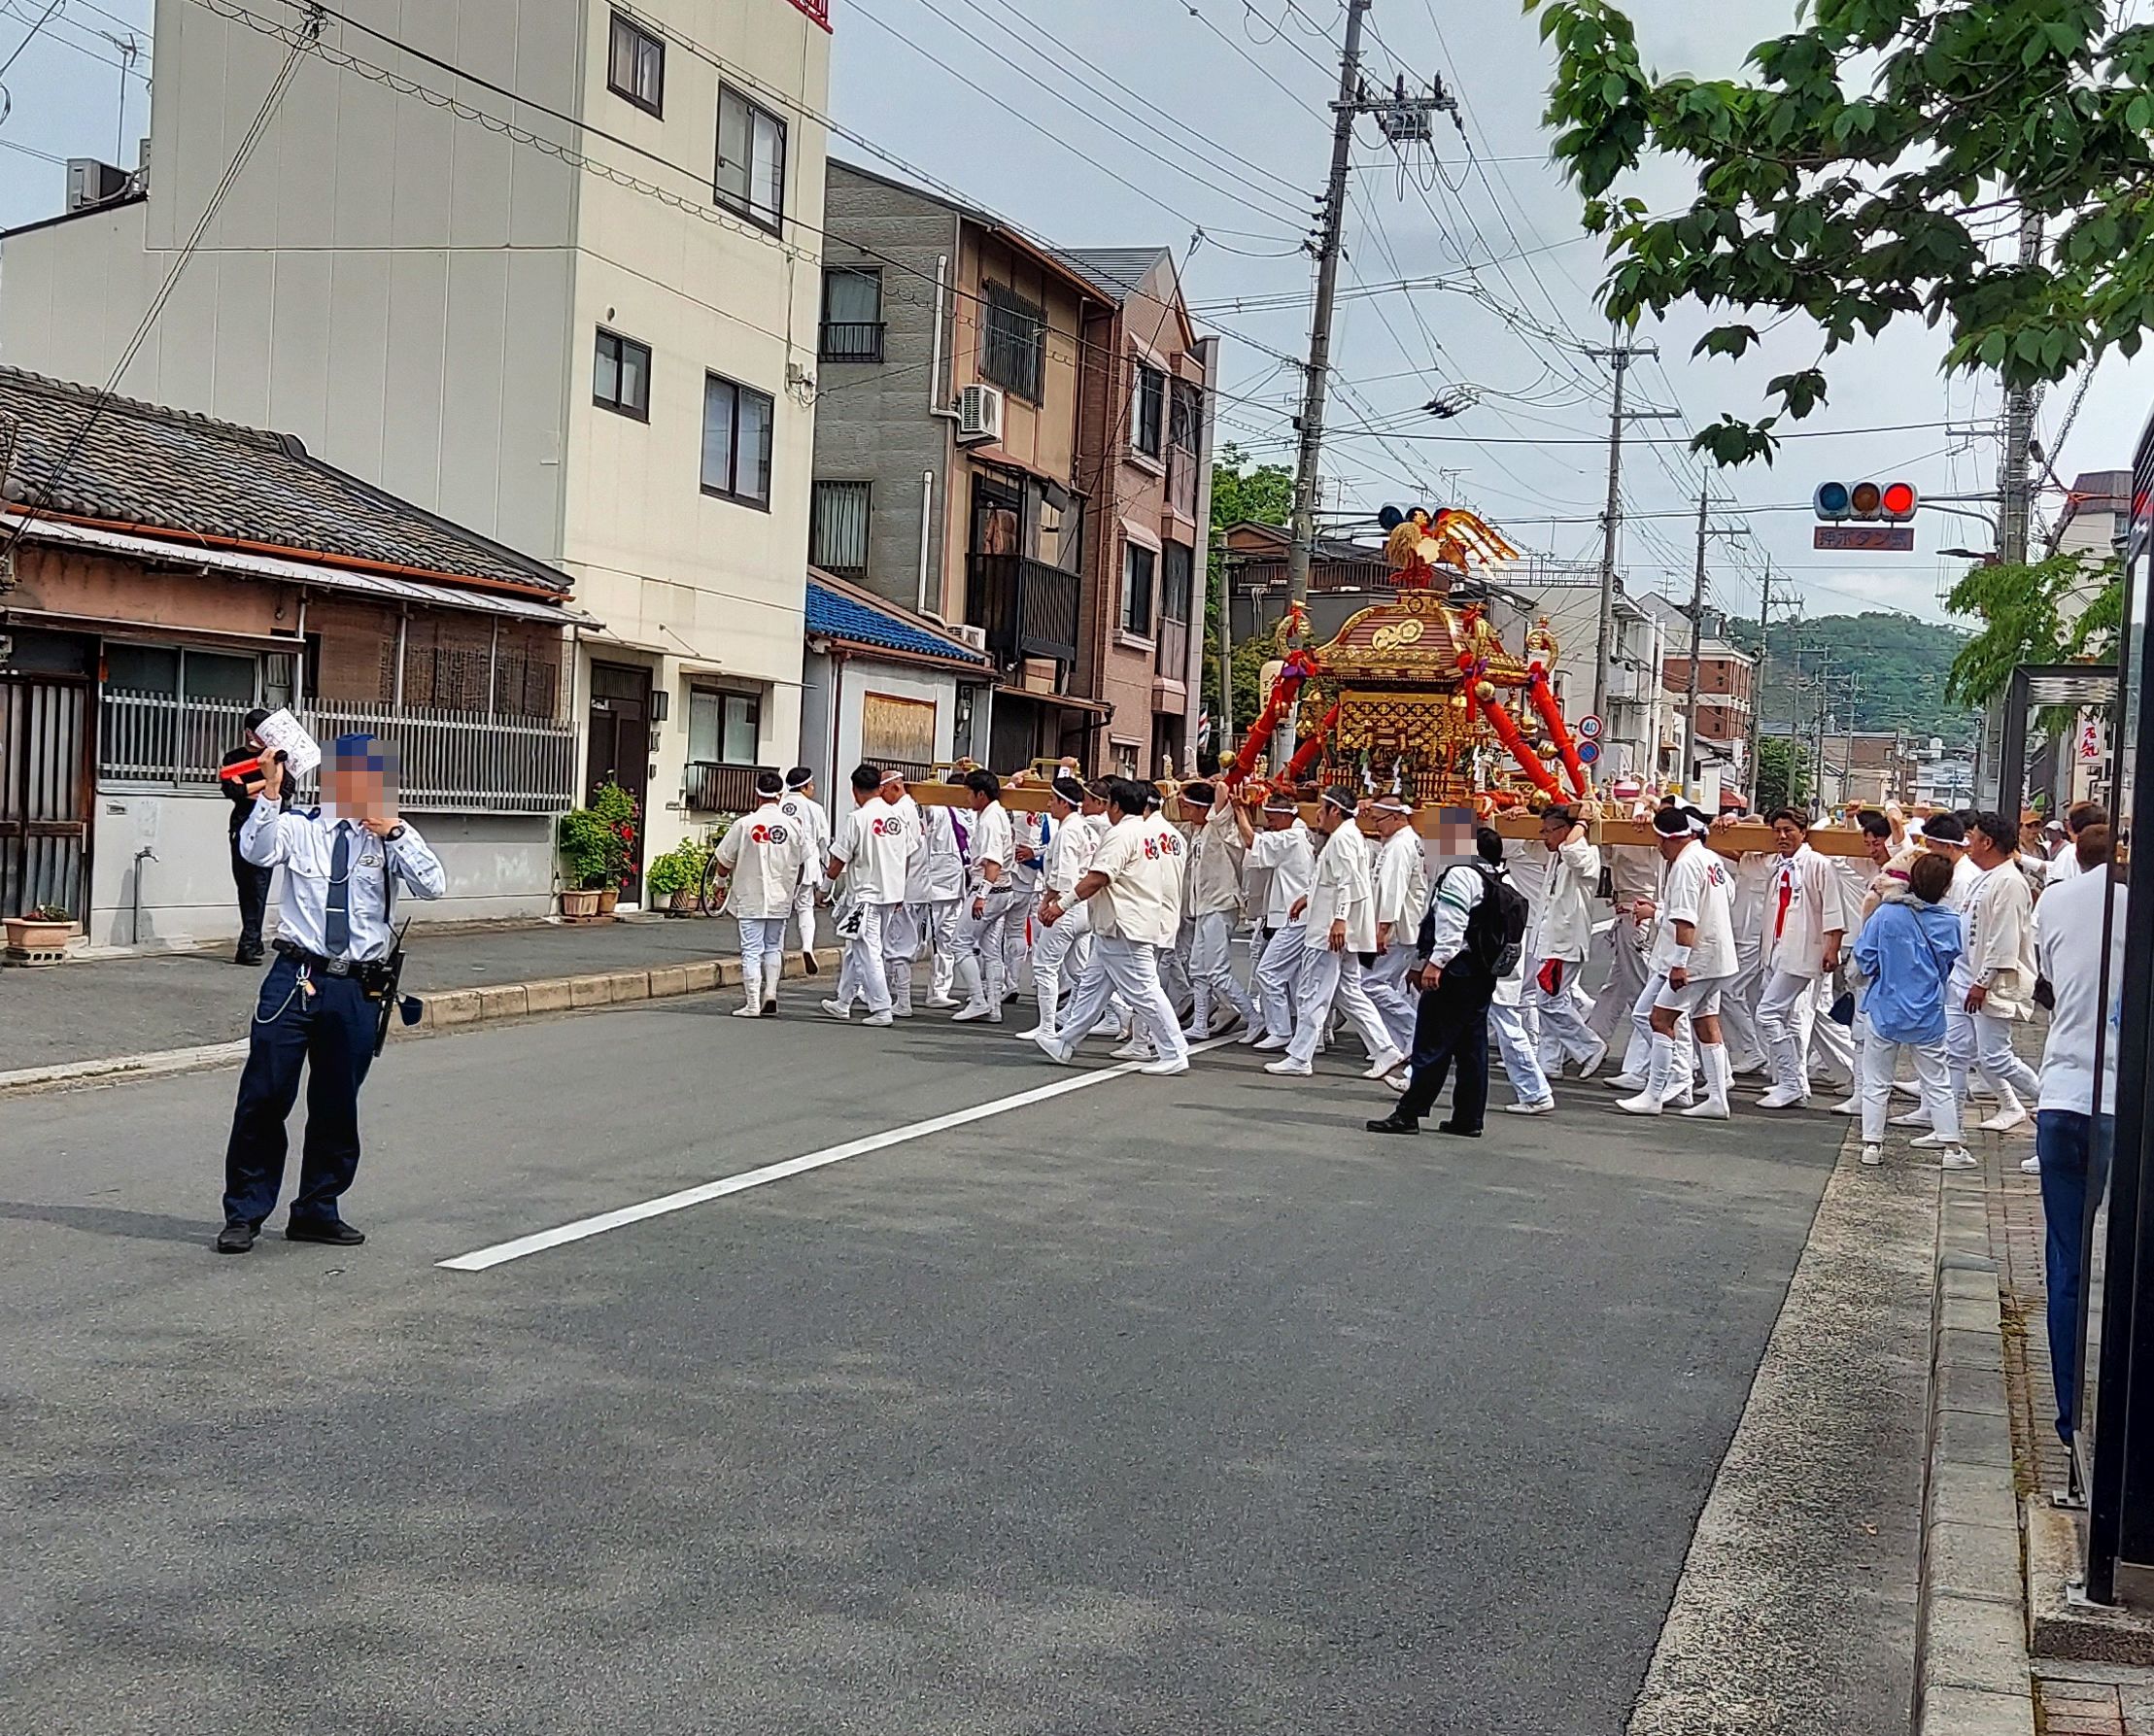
1026,607
1181,482
851,340
1171,657
819,10
711,788
449,762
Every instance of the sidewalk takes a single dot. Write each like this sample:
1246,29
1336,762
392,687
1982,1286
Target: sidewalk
91,1011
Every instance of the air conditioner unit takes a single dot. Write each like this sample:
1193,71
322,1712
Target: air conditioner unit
93,182
975,637
979,414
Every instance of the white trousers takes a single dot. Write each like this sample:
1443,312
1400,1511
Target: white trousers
1129,969
1746,1045
1880,1059
803,911
762,956
1563,1033
1979,1043
1625,968
1328,977
1058,958
863,957
1385,984
1521,1065
1787,1010
981,962
942,926
1212,969
1835,1052
1278,979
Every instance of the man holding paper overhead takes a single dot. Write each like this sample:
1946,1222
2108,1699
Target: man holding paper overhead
318,1003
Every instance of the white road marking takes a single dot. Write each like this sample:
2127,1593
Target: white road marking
501,1253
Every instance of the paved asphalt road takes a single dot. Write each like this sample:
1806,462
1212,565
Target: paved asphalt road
1159,1406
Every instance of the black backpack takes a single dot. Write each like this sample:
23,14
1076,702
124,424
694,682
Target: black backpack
1496,928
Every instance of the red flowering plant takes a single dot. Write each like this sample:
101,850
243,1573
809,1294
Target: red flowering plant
618,812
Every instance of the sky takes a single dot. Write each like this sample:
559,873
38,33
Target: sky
1123,122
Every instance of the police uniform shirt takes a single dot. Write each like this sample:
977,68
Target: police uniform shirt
304,846
873,843
1141,899
763,853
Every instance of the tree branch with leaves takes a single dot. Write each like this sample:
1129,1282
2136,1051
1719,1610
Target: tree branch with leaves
1869,169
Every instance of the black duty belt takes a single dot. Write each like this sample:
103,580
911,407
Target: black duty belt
299,955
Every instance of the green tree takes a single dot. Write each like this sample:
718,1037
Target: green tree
1864,172
1783,774
2049,611
1243,492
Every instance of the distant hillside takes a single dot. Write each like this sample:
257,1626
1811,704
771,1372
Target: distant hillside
1899,665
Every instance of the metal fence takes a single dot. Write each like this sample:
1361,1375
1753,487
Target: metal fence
451,762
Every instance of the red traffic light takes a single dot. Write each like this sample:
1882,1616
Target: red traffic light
1893,502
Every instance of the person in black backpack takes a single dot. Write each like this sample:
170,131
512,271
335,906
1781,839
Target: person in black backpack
1469,942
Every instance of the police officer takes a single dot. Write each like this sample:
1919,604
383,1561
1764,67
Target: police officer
341,862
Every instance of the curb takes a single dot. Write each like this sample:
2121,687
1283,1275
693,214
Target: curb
1972,1673
447,1010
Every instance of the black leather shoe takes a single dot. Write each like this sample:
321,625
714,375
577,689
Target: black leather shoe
1456,1132
1394,1124
333,1231
770,1009
236,1236
807,962
248,955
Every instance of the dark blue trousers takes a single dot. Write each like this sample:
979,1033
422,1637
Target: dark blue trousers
1450,1029
331,1034
2064,1140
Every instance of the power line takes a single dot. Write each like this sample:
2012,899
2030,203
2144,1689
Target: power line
245,150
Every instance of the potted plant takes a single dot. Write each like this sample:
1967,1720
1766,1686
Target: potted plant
618,812
40,935
678,875
586,862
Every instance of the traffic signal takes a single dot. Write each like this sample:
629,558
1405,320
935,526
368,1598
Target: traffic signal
1868,503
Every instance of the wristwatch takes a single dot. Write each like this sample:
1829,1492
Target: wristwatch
393,834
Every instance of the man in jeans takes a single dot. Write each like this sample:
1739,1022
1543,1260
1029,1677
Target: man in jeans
2075,1122
250,882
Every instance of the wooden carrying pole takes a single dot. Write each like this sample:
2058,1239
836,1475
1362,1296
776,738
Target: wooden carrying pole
1750,836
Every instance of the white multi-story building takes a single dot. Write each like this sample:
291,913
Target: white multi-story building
590,336
1634,727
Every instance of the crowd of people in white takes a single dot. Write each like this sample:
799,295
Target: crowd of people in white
1119,907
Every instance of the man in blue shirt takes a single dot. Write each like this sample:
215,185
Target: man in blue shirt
317,1005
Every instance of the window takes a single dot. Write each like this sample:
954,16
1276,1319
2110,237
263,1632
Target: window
723,727
737,442
1176,569
635,65
1138,565
620,376
1014,342
1124,755
852,315
1148,412
838,529
1184,416
751,158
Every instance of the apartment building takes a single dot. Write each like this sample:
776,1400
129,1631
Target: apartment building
1725,694
590,339
972,465
1635,740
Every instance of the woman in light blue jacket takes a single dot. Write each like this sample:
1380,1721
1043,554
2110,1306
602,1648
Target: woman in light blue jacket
1905,956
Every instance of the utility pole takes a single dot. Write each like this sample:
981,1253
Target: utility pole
1697,639
2014,482
1825,679
1344,113
1618,354
1757,680
1697,633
